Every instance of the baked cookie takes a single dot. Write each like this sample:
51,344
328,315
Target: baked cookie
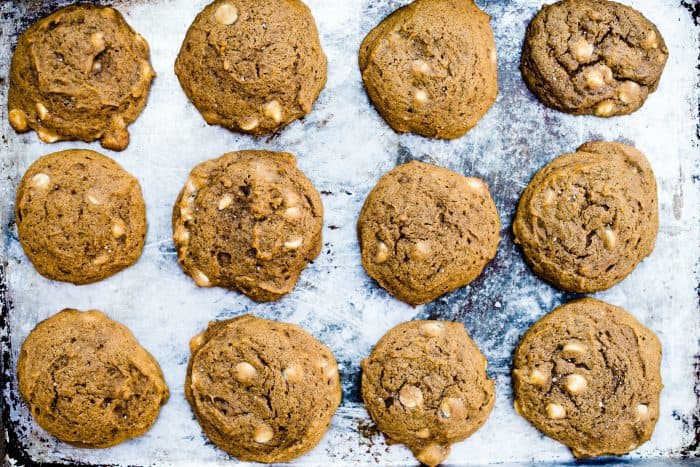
592,57
587,219
430,67
80,73
80,216
588,375
425,231
87,381
425,386
262,391
248,221
252,66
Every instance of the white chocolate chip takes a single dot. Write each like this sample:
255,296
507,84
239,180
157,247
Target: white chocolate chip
225,202
97,39
40,181
186,213
609,239
555,411
410,396
595,78
421,250
628,92
244,372
182,235
382,253
538,378
423,433
492,56
249,124
476,184
421,96
582,50
18,120
226,14
262,434
109,13
650,41
41,110
294,243
452,406
605,108
200,278
432,329
195,343
273,110
433,454
118,229
642,411
293,213
92,199
420,67
47,136
331,372
576,384
574,347
549,197
96,67
293,373
101,259
290,196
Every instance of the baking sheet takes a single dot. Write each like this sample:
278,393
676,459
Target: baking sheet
344,147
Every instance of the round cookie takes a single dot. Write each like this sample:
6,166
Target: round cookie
87,381
248,221
425,230
262,391
252,66
588,375
80,73
592,57
425,386
430,67
587,219
80,216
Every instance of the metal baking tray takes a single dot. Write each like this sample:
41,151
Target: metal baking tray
344,147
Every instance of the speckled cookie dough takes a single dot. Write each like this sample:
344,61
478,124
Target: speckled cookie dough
262,391
425,230
588,375
587,219
80,216
87,381
248,221
252,66
80,73
425,386
430,67
592,57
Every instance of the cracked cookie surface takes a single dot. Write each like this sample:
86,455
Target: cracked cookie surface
252,66
87,381
592,57
588,375
425,230
80,73
80,216
262,390
430,67
248,221
425,386
587,219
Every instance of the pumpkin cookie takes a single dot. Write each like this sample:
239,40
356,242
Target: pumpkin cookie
87,381
252,66
248,221
80,73
587,219
592,57
425,230
588,375
430,67
262,391
425,386
80,216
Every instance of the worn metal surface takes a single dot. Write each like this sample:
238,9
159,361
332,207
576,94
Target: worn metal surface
344,147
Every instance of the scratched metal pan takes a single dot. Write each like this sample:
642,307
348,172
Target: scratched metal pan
344,147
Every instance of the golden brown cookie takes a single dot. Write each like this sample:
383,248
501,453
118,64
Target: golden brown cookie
425,386
587,219
248,221
80,73
430,67
87,381
252,66
425,230
261,390
80,216
592,57
588,375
